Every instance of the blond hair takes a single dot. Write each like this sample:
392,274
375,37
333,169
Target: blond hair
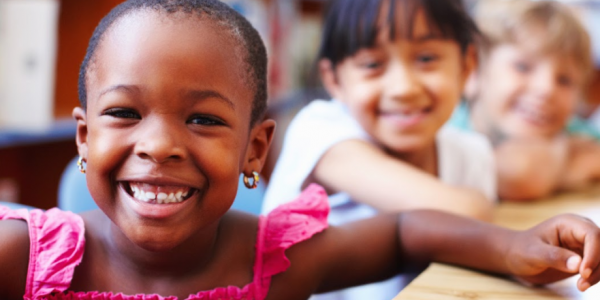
518,21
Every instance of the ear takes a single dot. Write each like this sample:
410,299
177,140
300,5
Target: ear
470,61
82,131
329,78
470,73
261,137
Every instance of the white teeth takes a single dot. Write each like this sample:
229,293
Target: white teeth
150,195
161,198
158,197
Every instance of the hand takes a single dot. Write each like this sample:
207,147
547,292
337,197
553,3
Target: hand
556,249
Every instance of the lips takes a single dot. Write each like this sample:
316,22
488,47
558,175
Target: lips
532,115
157,200
405,118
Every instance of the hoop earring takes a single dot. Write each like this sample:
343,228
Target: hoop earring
255,179
80,165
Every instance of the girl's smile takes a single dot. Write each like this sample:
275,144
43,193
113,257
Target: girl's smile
157,199
405,119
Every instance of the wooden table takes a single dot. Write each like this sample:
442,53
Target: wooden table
444,282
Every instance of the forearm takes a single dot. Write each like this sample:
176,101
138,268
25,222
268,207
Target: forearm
529,170
393,186
583,166
437,236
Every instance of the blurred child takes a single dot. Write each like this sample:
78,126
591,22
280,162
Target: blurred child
534,64
396,70
168,122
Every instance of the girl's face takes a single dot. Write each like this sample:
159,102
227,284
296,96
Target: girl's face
525,93
167,120
402,91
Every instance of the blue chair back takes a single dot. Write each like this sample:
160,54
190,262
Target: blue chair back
15,206
73,194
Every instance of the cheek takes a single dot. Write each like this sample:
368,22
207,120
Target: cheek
566,102
446,90
498,95
105,149
220,158
362,98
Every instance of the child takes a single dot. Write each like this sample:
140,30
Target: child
168,121
534,66
396,70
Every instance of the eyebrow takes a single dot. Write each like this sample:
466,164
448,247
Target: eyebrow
191,94
120,87
205,94
427,37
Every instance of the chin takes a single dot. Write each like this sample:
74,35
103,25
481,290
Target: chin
407,146
153,240
157,245
529,132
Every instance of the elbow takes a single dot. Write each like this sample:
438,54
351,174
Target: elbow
477,206
525,186
526,171
525,191
483,208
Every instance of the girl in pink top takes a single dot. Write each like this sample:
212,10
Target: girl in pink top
173,94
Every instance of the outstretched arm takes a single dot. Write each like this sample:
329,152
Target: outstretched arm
372,177
533,169
553,250
583,166
377,248
530,169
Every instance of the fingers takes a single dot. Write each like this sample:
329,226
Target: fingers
591,252
585,282
590,266
546,256
561,259
578,233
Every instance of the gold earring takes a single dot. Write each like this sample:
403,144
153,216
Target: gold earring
256,179
80,165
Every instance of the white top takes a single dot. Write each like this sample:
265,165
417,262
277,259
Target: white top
464,159
594,119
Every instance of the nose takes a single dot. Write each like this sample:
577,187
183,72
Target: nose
160,141
543,83
401,83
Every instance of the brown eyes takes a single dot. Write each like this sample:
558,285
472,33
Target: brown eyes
122,113
205,120
198,119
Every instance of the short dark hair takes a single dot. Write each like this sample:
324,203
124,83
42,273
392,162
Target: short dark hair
351,25
223,15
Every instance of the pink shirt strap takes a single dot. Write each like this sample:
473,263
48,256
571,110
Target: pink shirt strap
56,248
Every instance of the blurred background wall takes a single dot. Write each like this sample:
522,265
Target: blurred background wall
42,44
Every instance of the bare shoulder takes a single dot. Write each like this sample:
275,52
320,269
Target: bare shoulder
14,258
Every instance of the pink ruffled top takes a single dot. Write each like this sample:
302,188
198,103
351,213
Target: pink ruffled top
57,244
